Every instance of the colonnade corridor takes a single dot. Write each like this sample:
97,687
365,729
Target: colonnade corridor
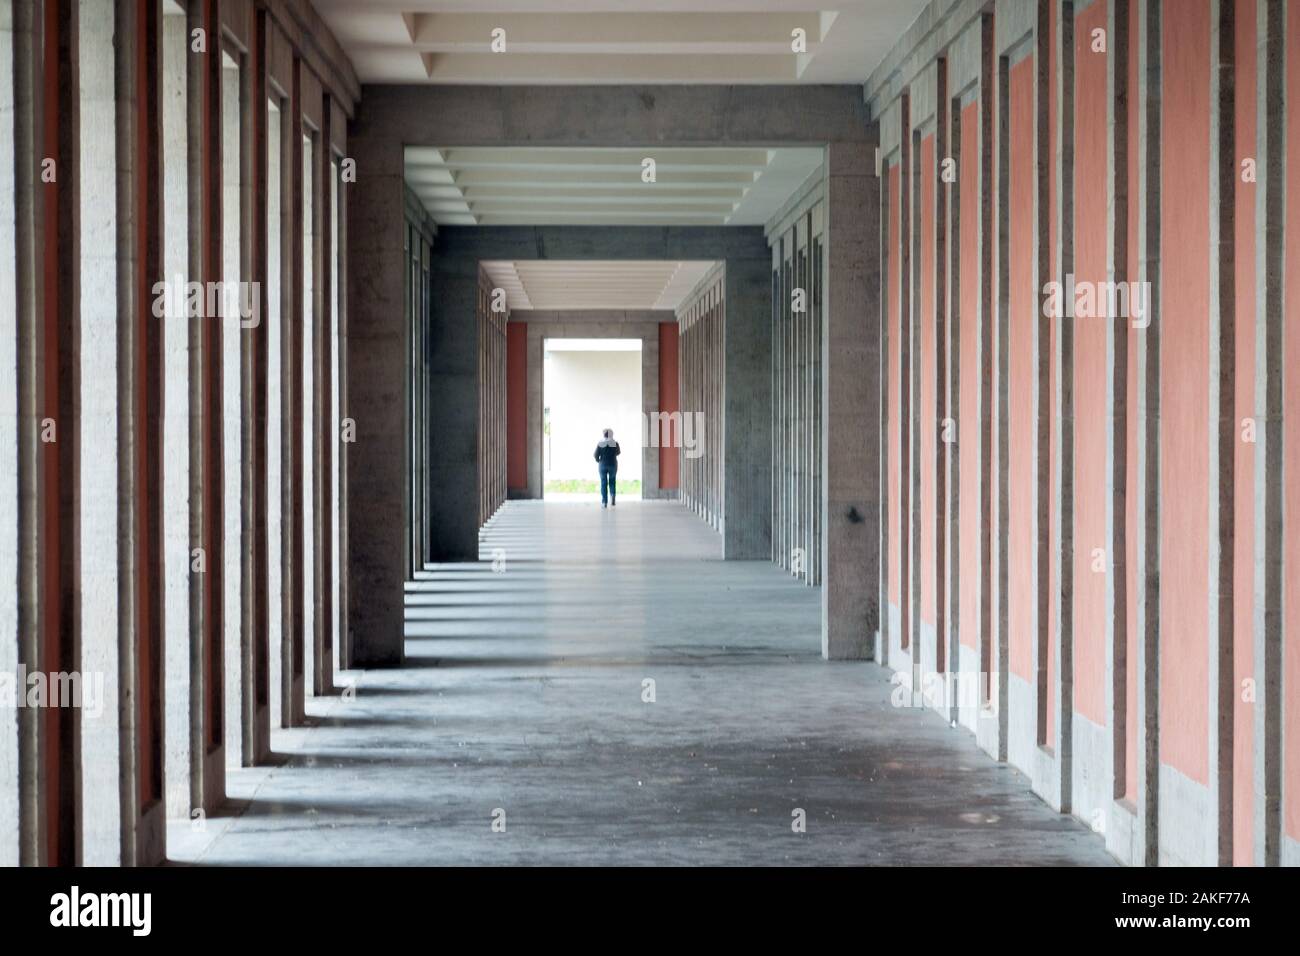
524,702
943,356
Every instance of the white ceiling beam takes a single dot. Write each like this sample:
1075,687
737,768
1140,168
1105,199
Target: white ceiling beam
570,32
667,176
603,212
545,201
589,193
502,68
587,218
706,159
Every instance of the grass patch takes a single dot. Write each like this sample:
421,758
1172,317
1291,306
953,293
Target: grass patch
588,486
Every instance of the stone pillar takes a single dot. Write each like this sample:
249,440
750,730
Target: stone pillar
852,440
377,353
453,419
9,815
101,380
747,410
322,387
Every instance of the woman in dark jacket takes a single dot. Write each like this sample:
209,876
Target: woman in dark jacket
607,460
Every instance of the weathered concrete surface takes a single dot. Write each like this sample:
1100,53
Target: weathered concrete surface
610,116
377,348
851,364
452,417
514,699
747,409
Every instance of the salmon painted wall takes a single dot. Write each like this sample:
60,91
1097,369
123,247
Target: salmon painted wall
1022,306
968,432
928,338
1132,517
895,394
1091,478
517,406
1187,423
669,401
1184,393
1291,447
1243,587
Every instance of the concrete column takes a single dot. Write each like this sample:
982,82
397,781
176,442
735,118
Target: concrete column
293,630
209,733
322,387
9,553
453,419
376,348
256,642
1272,845
275,431
138,239
233,408
341,390
28,242
101,379
307,426
852,439
178,620
747,410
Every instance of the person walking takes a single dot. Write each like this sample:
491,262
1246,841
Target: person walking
607,461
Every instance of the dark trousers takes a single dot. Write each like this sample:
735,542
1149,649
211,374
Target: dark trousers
607,476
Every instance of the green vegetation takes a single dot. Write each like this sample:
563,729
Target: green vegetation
588,486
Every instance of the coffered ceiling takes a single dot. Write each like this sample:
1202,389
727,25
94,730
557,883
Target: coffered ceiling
616,41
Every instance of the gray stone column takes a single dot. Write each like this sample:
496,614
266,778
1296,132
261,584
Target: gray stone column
9,554
452,419
852,439
747,410
377,352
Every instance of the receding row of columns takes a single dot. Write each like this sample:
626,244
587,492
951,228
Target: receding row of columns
160,435
798,259
491,315
700,327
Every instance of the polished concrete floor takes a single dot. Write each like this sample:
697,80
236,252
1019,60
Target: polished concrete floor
525,705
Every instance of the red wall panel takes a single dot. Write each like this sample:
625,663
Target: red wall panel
517,405
968,435
1184,394
669,401
894,384
1022,317
1133,517
928,341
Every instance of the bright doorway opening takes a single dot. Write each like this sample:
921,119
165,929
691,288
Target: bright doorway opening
590,385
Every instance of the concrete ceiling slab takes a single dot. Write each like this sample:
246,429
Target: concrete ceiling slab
616,41
548,186
596,284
